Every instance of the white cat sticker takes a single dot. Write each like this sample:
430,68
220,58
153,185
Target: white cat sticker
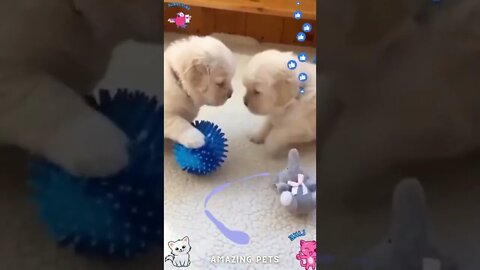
180,249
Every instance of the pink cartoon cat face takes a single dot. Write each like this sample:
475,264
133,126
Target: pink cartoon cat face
308,247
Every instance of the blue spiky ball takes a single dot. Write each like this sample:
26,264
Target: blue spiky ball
116,217
209,157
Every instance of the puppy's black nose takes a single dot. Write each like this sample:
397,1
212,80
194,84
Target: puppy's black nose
230,94
245,102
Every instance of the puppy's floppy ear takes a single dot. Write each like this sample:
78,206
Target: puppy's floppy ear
285,95
196,72
286,85
283,77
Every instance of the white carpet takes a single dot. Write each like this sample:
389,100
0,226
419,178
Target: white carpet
252,206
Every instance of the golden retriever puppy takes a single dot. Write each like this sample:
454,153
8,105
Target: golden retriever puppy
274,90
198,71
51,54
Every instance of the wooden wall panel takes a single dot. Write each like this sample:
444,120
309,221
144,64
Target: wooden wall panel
281,8
230,22
204,23
264,28
291,27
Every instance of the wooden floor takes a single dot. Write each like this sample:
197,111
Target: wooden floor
266,23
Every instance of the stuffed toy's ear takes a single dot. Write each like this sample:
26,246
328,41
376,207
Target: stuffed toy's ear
410,223
408,244
185,239
293,160
170,244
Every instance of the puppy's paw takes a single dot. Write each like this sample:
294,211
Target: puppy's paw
91,146
192,138
257,138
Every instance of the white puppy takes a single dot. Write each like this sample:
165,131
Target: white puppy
197,71
51,54
274,90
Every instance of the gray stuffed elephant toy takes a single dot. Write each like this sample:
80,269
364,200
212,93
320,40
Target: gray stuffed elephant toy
297,190
408,245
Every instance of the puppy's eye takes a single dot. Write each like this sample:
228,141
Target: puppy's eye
221,84
255,92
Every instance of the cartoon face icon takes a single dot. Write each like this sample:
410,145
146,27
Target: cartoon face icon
180,19
307,254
